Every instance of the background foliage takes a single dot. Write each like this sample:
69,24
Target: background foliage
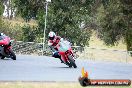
75,20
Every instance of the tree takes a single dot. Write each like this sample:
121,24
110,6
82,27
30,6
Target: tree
127,12
1,12
1,8
28,33
64,17
111,19
114,20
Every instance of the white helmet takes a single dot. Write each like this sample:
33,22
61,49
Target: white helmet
1,34
51,35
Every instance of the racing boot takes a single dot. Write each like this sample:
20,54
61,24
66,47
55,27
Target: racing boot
56,55
61,59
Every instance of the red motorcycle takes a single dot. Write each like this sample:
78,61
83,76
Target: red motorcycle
5,48
66,53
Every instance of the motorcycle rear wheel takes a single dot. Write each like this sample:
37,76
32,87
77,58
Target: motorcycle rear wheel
12,54
2,57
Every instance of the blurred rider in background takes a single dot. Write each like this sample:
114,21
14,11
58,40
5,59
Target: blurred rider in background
2,35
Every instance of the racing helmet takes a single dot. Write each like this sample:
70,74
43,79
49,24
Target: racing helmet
1,34
51,35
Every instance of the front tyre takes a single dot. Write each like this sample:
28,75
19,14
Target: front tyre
12,54
72,61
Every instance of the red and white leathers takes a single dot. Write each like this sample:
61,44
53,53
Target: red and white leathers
54,42
3,41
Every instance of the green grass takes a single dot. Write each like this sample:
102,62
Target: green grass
105,55
50,85
19,21
97,43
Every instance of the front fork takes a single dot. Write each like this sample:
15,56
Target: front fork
7,49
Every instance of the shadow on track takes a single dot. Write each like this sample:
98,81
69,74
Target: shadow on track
6,59
65,67
62,67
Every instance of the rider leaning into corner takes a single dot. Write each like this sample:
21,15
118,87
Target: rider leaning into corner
53,41
1,37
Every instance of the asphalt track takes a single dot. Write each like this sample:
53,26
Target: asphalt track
42,68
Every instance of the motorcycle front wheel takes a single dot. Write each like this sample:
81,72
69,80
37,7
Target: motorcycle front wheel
12,54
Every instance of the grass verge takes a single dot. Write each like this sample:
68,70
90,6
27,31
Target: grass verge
50,85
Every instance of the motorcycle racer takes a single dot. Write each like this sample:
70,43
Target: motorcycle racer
6,48
2,35
53,41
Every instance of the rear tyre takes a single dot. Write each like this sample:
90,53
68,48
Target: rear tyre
72,61
2,57
12,54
